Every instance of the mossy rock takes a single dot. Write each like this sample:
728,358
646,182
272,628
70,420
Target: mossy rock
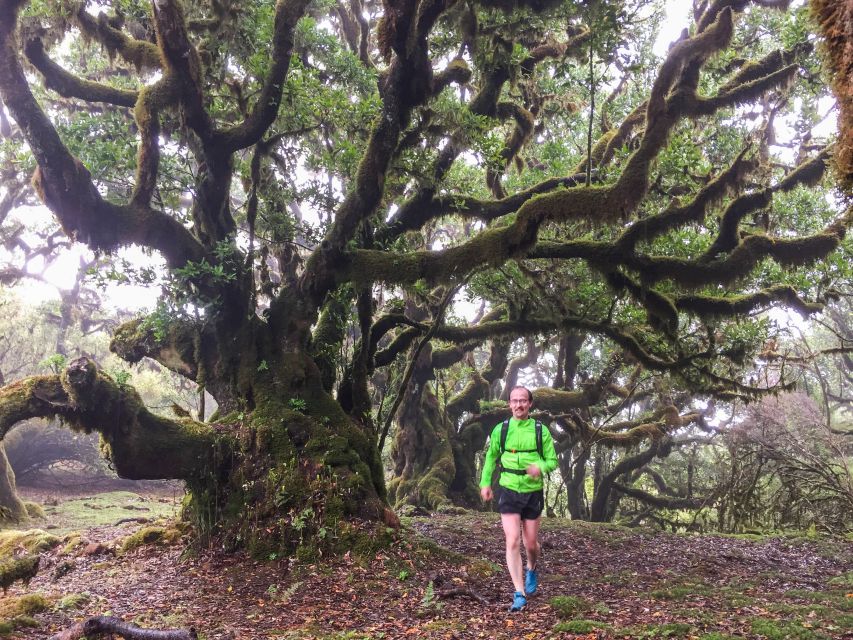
35,511
150,535
13,606
73,542
14,569
33,540
73,601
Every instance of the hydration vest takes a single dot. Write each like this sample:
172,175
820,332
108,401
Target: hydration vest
538,449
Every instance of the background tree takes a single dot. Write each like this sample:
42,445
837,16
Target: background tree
209,133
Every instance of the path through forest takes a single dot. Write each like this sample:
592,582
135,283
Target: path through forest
444,578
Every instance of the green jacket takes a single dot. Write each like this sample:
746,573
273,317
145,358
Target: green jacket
521,435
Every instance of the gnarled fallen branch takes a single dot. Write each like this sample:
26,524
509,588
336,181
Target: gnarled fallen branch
470,593
101,625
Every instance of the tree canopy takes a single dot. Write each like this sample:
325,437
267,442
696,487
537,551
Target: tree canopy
328,182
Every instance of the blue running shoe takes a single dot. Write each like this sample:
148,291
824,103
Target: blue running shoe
518,601
531,581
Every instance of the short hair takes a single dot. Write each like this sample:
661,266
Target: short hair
520,386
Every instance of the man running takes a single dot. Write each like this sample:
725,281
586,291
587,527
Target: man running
524,459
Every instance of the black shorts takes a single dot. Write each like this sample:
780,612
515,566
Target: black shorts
528,505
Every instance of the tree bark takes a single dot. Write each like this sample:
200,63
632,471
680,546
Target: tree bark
97,626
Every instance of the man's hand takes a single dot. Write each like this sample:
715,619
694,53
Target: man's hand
534,471
486,493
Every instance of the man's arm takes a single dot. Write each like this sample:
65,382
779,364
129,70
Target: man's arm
492,454
549,454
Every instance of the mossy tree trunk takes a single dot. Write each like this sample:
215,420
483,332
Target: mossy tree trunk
12,508
287,465
422,452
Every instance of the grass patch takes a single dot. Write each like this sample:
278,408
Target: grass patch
569,606
106,509
843,581
719,636
680,591
667,630
579,626
781,630
482,568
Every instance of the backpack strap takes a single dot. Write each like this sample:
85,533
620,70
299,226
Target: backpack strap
539,447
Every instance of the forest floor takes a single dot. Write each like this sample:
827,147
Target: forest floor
444,578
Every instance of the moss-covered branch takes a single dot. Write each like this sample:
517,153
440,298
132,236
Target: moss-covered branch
836,25
181,60
70,86
140,53
402,34
262,115
66,186
661,502
708,306
175,346
141,445
743,258
677,216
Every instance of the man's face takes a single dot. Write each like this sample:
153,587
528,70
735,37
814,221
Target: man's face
519,404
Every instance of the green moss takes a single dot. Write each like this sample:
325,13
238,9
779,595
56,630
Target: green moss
483,568
781,630
73,601
845,580
579,626
34,510
72,543
26,605
680,591
150,535
667,630
33,540
14,569
569,606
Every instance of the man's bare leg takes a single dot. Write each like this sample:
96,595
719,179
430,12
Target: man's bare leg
530,535
512,532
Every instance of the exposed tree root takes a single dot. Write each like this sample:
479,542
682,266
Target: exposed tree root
102,625
470,593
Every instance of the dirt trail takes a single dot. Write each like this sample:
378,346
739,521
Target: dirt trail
599,581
